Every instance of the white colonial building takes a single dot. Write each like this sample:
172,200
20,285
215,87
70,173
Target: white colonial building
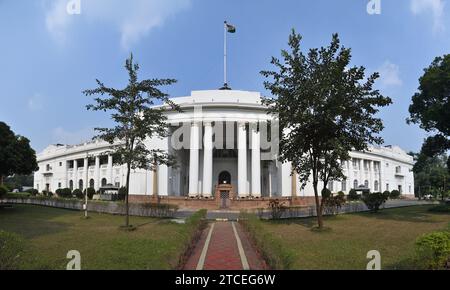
220,138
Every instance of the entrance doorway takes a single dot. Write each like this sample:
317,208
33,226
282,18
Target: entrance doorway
224,197
224,178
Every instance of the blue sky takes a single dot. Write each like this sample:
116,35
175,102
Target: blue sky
47,56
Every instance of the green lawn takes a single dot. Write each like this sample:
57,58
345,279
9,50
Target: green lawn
50,233
345,245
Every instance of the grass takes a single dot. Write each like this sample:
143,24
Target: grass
50,233
348,238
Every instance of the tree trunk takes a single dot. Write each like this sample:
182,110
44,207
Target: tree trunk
127,217
1,179
318,206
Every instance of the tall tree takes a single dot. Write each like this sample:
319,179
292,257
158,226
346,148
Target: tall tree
136,118
16,154
431,176
431,106
325,109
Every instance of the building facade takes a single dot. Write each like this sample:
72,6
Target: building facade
222,139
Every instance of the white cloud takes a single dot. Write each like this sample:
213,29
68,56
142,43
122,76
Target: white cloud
133,19
389,74
433,7
63,136
35,103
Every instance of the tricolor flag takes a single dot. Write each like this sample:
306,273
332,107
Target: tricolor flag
230,28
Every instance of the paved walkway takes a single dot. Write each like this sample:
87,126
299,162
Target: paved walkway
224,246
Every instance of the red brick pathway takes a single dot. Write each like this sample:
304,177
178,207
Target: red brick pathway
222,252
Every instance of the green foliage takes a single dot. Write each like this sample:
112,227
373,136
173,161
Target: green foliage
374,200
64,192
90,192
433,250
136,119
16,155
3,191
195,225
326,193
395,194
333,203
78,193
11,249
274,252
33,191
122,193
277,208
353,195
442,208
341,194
331,105
430,107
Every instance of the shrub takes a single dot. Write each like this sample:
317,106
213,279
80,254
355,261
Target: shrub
33,192
442,208
78,193
3,191
276,208
433,250
64,192
194,226
277,256
395,194
333,203
353,195
11,249
326,193
90,192
341,194
122,193
374,200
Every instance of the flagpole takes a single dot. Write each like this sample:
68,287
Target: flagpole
225,54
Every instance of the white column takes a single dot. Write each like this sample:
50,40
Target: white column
85,173
75,174
371,179
110,169
361,172
256,162
242,160
97,173
207,160
194,160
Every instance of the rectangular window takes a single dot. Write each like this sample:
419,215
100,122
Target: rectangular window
60,164
59,184
387,186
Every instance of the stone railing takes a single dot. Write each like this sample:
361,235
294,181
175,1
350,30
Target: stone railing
117,208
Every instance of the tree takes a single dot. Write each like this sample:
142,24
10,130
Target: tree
431,175
16,154
325,109
431,106
136,118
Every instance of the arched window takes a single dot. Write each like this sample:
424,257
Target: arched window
376,185
355,184
71,185
224,177
91,183
330,186
104,182
80,184
344,185
366,184
117,182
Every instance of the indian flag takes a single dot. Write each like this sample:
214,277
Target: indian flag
230,28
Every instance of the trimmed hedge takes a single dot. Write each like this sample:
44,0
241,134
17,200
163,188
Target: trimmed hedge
195,225
353,195
395,194
433,250
442,208
276,255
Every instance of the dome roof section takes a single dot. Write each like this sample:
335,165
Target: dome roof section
221,98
